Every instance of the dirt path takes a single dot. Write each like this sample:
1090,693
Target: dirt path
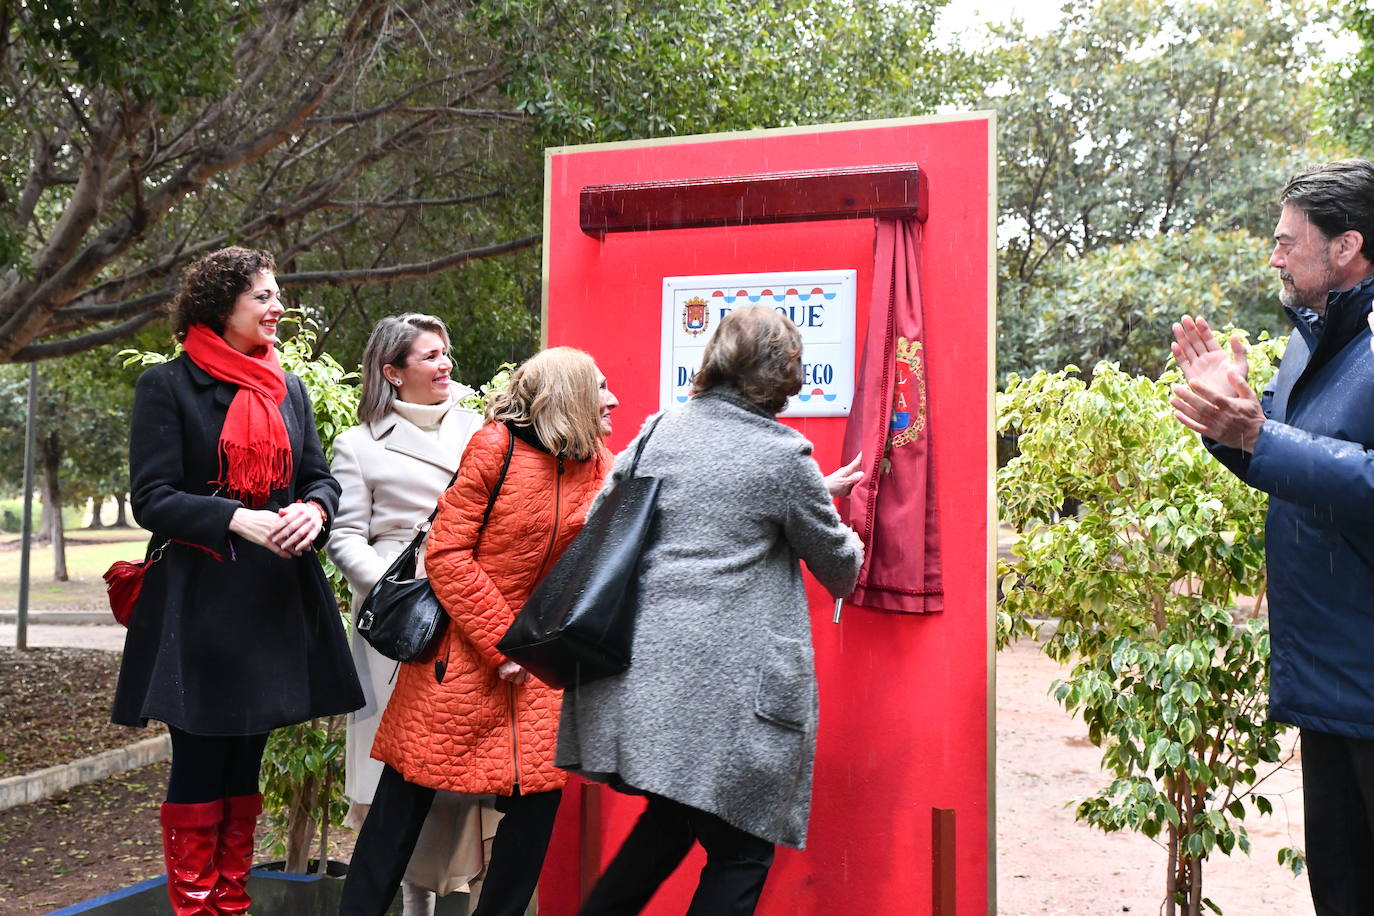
1048,863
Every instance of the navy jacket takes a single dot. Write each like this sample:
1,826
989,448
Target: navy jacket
1313,458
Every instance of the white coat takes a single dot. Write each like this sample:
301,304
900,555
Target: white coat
392,474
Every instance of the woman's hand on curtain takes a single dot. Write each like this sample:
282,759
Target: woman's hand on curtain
840,482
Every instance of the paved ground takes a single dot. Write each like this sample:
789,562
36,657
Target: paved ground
77,637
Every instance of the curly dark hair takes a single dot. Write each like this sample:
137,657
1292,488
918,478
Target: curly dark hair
757,351
210,287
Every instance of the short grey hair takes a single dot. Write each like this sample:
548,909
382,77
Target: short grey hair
389,345
1337,197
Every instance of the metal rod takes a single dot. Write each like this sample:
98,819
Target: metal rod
21,630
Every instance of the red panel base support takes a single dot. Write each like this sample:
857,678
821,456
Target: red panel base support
589,831
942,861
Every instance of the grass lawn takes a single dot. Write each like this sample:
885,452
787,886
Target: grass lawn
89,554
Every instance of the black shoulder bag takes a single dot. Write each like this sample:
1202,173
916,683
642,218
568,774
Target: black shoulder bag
578,624
401,617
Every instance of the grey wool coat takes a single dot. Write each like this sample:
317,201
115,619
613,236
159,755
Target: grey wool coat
718,708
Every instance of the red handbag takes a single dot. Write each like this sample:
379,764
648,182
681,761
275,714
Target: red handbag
123,582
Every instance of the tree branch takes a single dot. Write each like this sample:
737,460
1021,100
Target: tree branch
409,204
71,318
406,271
68,346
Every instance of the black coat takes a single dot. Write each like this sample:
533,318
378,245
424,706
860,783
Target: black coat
245,641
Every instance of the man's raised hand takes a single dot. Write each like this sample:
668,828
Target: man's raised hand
1202,359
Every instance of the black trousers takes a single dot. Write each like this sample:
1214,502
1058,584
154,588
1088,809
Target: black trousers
393,826
210,767
1338,811
737,864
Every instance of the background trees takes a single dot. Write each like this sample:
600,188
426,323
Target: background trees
390,155
369,142
1133,122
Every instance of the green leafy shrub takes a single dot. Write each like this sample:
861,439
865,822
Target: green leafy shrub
1137,544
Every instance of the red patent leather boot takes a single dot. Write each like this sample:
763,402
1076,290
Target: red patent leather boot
234,856
190,836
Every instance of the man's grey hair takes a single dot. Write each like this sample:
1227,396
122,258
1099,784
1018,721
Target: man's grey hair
1337,197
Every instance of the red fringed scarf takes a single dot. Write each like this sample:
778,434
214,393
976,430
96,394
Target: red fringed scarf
254,450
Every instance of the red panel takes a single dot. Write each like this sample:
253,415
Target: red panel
744,200
904,723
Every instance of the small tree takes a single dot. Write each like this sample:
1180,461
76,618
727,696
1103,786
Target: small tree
302,776
1170,678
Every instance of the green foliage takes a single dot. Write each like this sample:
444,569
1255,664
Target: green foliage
82,423
1142,581
1134,120
491,308
302,788
1347,83
619,70
479,397
333,394
374,148
1144,116
156,50
1118,302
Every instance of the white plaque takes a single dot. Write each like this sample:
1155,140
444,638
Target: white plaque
819,302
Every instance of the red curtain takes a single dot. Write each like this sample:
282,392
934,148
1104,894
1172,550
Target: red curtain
894,508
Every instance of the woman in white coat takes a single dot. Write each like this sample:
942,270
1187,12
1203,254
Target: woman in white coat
392,467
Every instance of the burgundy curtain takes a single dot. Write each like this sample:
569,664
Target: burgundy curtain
894,509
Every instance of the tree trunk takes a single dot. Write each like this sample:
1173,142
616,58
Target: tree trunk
42,532
51,453
121,513
1171,873
300,826
96,505
322,864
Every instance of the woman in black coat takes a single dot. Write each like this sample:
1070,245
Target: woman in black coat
236,631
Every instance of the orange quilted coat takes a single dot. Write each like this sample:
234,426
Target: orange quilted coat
452,723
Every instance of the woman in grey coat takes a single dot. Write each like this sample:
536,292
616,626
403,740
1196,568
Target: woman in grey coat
715,720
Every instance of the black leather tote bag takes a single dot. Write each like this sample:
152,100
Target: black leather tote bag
401,617
578,624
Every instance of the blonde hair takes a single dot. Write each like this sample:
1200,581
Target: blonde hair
757,350
390,345
557,392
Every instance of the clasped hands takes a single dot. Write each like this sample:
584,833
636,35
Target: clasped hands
288,532
1217,402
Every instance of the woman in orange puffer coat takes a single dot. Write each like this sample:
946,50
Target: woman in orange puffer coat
466,719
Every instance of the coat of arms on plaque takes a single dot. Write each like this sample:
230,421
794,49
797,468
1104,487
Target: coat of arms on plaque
695,316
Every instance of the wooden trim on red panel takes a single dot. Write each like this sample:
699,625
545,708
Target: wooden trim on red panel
589,836
942,884
888,191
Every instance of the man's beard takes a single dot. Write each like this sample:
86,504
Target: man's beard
1313,298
